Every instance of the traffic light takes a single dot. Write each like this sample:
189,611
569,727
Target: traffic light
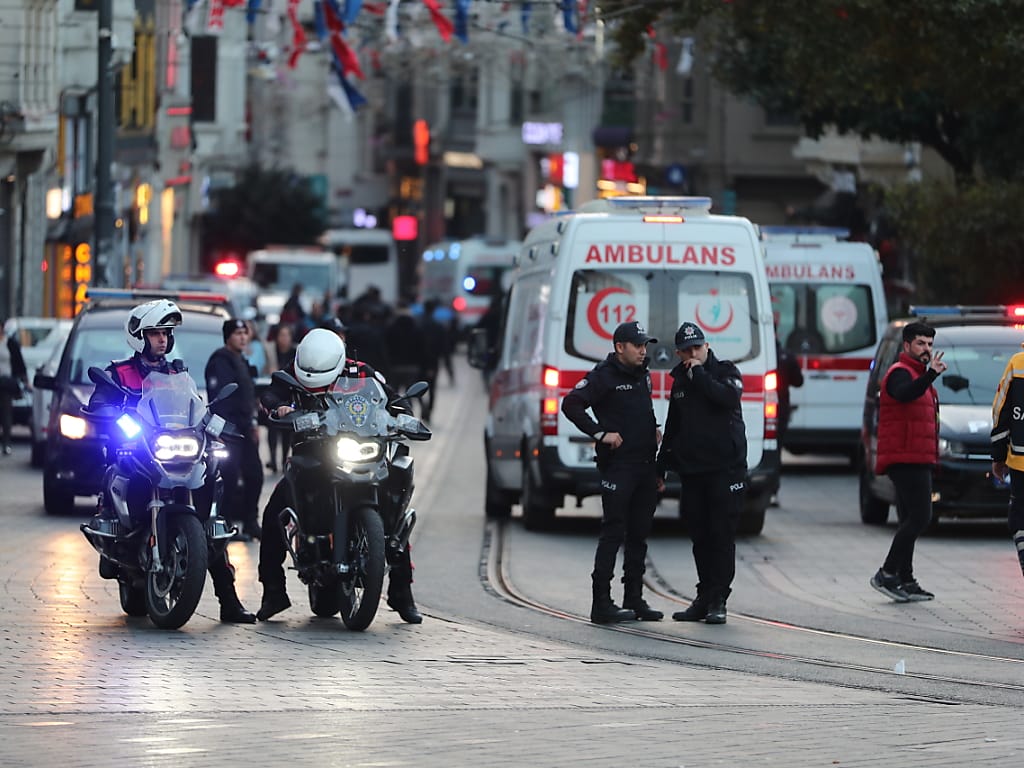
421,141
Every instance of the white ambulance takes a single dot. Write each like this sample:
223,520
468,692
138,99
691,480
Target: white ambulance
660,261
830,312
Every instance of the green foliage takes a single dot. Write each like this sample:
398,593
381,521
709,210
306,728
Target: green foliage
265,207
966,243
941,72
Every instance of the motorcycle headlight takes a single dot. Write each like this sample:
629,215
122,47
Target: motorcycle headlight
352,451
73,427
168,447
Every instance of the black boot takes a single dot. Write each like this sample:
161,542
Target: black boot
716,609
603,610
633,600
400,599
697,611
275,600
233,612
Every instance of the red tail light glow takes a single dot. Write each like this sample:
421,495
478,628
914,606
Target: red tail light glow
227,269
1015,311
550,378
771,405
459,303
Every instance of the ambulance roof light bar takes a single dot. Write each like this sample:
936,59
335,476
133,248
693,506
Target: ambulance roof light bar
804,234
961,310
661,206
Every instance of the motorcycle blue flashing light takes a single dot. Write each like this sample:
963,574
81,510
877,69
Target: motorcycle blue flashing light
129,426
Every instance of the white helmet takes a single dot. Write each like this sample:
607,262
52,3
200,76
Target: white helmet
319,358
159,314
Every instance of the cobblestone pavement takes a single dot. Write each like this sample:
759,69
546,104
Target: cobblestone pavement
474,685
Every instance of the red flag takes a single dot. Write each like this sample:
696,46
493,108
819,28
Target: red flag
298,34
444,25
343,54
661,56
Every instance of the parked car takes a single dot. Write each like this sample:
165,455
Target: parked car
41,400
38,337
977,342
74,452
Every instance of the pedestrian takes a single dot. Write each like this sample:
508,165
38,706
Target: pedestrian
908,450
254,353
227,365
407,348
150,333
320,360
706,445
435,349
282,352
1008,445
13,378
618,391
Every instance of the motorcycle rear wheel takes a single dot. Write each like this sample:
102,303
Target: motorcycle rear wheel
173,594
133,598
359,591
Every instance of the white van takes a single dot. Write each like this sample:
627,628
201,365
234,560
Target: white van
367,257
830,312
466,275
658,260
276,270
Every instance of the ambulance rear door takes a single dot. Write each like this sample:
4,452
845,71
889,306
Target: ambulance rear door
829,308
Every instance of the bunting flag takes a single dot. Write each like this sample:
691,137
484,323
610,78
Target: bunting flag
318,20
524,15
391,21
298,34
685,65
461,26
377,9
569,16
215,19
344,57
352,8
581,15
355,98
251,10
233,3
443,23
661,56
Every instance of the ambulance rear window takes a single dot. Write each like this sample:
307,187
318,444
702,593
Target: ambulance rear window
661,300
824,318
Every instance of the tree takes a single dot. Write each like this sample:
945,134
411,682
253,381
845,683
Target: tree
940,72
264,207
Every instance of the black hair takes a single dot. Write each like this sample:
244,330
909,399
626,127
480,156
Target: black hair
912,330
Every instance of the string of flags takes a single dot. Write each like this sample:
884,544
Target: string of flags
334,18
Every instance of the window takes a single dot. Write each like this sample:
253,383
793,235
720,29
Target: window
823,318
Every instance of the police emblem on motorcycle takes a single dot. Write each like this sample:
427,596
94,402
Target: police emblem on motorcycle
358,408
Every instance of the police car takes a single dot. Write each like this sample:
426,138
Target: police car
977,342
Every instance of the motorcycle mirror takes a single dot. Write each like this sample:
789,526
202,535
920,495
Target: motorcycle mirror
417,389
286,378
99,376
226,392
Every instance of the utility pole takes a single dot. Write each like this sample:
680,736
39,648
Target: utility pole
103,210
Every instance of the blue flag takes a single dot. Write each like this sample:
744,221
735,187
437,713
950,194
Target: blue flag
462,20
524,15
355,98
352,9
569,15
251,10
318,20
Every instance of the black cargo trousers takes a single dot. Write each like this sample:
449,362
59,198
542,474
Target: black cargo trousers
629,497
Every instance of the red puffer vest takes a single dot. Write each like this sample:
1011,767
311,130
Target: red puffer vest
908,433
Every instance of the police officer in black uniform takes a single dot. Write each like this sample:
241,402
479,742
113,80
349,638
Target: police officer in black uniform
150,332
706,445
618,391
228,365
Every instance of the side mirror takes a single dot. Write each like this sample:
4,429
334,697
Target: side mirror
479,353
42,381
417,389
227,391
99,376
286,378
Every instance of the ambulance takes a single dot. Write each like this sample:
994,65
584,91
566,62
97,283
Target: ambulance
830,312
657,260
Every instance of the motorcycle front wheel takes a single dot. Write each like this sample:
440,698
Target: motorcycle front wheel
359,590
172,595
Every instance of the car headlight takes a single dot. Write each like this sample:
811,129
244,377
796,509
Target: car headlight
951,447
352,451
73,427
168,447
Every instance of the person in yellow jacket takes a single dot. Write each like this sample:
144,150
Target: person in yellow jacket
1008,444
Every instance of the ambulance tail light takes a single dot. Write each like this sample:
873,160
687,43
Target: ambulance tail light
550,378
663,219
771,405
1016,311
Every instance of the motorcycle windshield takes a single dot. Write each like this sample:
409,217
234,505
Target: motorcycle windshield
170,401
357,406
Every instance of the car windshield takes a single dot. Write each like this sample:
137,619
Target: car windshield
973,374
100,344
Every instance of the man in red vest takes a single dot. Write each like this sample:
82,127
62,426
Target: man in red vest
908,450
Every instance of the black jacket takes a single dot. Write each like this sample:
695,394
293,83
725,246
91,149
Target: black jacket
704,431
279,393
129,373
620,397
228,367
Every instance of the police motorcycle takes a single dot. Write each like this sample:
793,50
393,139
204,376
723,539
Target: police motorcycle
160,454
349,480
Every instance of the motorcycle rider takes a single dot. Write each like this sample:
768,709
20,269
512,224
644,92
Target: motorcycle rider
150,332
319,360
